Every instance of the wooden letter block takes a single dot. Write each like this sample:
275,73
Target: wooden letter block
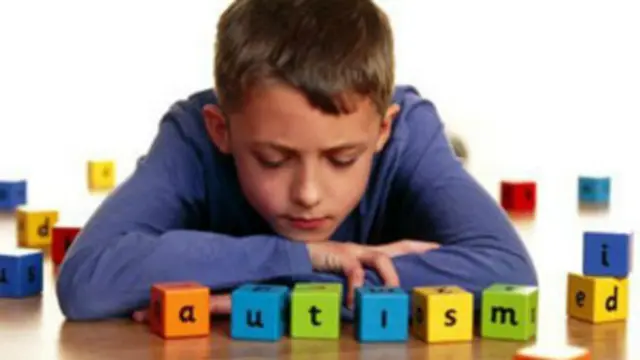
607,254
258,312
568,352
382,314
34,227
594,190
315,311
509,312
442,314
179,310
12,194
597,299
20,273
101,175
63,236
518,197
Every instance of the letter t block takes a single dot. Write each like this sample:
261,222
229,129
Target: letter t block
258,312
315,310
509,312
179,310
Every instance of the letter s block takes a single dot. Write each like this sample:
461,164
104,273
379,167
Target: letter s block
35,227
258,312
509,312
382,314
179,310
20,272
597,299
315,310
442,314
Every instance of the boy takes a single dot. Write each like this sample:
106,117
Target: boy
304,164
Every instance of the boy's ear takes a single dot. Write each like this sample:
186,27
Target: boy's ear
217,128
385,126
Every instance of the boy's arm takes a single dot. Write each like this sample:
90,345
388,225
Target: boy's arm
145,232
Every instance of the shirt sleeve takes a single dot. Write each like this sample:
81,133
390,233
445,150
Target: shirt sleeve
149,230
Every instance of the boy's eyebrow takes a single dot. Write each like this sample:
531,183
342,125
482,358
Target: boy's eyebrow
337,148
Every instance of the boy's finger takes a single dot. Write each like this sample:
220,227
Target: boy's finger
355,278
383,265
220,304
140,316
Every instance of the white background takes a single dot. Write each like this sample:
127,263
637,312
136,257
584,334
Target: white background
546,90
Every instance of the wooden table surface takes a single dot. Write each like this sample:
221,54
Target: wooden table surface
34,328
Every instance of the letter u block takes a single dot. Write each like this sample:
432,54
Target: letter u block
35,227
382,314
597,299
442,314
179,310
315,310
258,312
20,273
607,254
509,312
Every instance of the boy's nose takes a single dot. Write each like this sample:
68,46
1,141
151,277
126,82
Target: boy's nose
306,192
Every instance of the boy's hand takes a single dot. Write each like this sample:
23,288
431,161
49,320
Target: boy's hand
218,304
404,247
350,259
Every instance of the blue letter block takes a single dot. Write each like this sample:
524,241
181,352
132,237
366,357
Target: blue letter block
382,314
12,194
607,254
594,190
258,312
20,272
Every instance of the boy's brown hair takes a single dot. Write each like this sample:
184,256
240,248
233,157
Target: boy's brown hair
330,50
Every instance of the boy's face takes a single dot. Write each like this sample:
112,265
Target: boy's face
303,170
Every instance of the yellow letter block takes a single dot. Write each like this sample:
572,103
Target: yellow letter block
101,175
442,314
34,227
597,299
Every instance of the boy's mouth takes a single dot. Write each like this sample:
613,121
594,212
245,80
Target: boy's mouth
303,223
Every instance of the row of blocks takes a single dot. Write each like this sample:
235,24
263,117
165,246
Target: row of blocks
521,196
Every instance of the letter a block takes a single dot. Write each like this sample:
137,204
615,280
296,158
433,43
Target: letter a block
34,227
258,312
179,310
597,299
382,314
442,314
607,254
101,175
315,311
63,236
20,273
509,312
537,352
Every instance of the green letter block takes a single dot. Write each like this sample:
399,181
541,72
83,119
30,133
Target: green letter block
509,312
315,311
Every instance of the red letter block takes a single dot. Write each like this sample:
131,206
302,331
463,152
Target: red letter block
518,197
62,239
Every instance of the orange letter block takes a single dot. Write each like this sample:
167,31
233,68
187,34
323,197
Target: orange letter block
179,310
568,352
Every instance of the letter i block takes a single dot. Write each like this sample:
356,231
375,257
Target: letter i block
442,314
63,236
607,254
34,227
315,311
597,299
594,190
179,310
258,312
101,175
537,352
518,197
20,273
509,312
382,314
12,194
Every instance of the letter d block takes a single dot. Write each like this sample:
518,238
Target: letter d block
35,227
509,312
20,273
382,314
597,299
315,311
258,312
607,254
442,314
179,310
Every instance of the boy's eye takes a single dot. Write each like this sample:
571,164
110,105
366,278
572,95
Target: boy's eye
343,162
271,163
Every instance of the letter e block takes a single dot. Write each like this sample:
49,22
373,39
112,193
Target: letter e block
315,310
63,236
258,312
509,312
607,254
179,310
101,175
442,314
20,273
382,314
35,227
597,299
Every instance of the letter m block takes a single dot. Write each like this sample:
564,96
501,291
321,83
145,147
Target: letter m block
509,312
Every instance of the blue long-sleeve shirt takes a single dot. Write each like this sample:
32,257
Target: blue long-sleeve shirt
181,216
